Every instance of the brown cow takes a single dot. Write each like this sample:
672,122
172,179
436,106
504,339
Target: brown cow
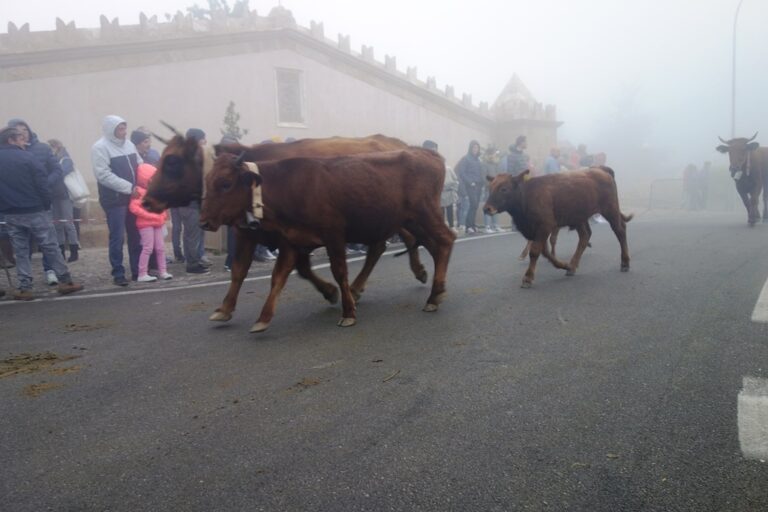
749,170
179,180
540,205
311,202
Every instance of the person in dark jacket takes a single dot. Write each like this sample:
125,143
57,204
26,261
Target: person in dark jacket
115,160
54,173
25,202
517,160
471,174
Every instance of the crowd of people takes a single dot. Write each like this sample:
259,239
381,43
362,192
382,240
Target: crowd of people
466,185
36,207
696,186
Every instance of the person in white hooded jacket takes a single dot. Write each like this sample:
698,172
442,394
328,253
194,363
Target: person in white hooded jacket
115,159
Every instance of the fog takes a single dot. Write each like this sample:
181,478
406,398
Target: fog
647,82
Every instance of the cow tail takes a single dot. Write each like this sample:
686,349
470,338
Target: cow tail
627,218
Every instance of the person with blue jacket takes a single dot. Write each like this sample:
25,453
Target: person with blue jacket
54,175
115,160
25,203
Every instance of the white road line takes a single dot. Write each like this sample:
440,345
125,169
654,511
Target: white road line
752,417
214,283
760,313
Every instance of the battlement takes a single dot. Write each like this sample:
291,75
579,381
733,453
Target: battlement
20,47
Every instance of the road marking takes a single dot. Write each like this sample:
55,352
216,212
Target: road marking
752,406
760,313
217,283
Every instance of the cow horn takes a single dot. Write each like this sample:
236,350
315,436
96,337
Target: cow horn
159,138
240,158
753,137
721,140
174,130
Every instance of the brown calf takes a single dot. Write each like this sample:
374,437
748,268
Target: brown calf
540,206
311,202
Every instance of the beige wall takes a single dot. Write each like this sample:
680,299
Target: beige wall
196,93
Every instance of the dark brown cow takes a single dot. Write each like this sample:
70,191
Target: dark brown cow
539,206
179,180
749,170
312,202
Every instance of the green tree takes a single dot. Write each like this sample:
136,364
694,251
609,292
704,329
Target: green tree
232,123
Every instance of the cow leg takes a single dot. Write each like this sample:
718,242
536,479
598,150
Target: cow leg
286,261
745,198
241,263
553,240
304,269
535,251
619,227
585,233
419,272
754,212
372,256
438,240
526,251
337,255
543,240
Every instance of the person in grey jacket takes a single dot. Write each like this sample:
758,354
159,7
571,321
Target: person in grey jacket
517,160
471,174
115,159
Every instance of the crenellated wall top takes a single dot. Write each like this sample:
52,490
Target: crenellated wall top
20,41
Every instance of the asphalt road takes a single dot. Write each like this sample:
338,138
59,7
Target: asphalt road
606,391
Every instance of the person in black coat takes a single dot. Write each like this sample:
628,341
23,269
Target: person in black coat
471,174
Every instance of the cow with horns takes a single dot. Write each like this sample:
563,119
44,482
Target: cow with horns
312,202
749,170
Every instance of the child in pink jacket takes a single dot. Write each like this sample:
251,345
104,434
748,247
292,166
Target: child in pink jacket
150,226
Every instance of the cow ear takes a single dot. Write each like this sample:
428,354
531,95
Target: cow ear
722,148
526,175
753,146
489,178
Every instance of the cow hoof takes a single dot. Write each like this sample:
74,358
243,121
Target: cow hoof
625,268
259,327
422,276
356,295
332,297
220,316
570,272
346,322
526,284
430,308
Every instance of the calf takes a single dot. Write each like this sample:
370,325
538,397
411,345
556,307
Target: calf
540,206
311,202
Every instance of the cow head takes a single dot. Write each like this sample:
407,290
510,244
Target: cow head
179,177
227,192
505,192
738,153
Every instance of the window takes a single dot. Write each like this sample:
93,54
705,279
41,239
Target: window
290,98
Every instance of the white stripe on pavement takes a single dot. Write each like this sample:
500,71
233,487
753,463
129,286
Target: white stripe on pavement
752,416
760,313
124,293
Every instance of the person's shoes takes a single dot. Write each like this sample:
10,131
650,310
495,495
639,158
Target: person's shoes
120,281
168,260
63,255
2,293
227,268
181,259
488,230
23,295
269,256
67,288
497,229
206,264
197,269
50,278
73,253
146,278
165,276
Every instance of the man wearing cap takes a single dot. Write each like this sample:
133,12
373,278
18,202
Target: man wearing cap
25,203
115,160
192,235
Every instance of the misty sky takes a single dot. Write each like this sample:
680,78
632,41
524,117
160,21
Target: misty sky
657,72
